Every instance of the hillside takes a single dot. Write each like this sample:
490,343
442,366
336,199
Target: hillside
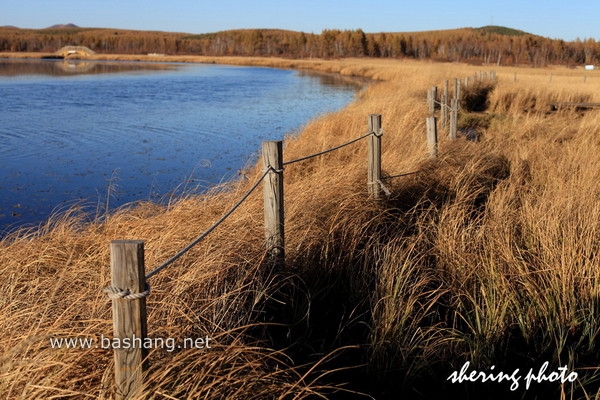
501,30
486,45
63,26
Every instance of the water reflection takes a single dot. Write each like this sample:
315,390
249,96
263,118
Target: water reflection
62,67
336,80
15,67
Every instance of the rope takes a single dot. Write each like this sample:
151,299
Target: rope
212,228
381,186
384,188
121,293
330,150
117,293
443,105
399,175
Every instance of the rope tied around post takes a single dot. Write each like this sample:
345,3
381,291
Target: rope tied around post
117,293
443,105
277,171
378,134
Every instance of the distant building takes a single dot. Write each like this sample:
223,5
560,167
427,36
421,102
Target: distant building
589,67
75,51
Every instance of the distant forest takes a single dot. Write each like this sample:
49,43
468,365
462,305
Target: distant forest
487,45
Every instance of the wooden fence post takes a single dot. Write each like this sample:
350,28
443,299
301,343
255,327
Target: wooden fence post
431,98
458,91
129,316
272,155
374,157
453,119
432,141
445,105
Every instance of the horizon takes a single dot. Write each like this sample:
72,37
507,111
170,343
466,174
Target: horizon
568,22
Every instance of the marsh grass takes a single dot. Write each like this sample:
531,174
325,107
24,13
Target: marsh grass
489,254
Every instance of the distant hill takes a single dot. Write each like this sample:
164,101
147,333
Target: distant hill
63,26
496,45
502,30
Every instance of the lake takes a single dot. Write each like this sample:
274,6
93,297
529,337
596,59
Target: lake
101,133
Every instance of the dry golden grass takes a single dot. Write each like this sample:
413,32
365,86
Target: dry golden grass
490,254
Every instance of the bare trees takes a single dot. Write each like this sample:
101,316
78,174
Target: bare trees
492,45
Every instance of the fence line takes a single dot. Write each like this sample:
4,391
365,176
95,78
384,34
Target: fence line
129,289
128,284
239,203
454,107
450,107
242,199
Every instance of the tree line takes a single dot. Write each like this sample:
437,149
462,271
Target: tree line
490,45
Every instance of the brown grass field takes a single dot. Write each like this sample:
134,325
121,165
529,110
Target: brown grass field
491,254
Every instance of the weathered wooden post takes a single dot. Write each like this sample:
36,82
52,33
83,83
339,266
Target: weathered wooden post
374,157
445,105
431,98
457,91
453,119
272,155
129,316
432,141
430,102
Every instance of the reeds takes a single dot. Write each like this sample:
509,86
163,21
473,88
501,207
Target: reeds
489,254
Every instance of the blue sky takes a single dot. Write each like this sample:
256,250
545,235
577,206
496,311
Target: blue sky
551,18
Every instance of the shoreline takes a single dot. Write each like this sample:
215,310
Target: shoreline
351,67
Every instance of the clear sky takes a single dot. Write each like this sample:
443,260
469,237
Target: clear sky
562,19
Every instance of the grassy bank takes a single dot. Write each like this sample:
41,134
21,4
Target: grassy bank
488,255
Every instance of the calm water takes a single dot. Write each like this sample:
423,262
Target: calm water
68,132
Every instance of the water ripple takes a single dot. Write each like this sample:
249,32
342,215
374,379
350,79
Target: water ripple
65,138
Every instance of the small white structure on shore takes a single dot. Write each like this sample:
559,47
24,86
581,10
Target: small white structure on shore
75,51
